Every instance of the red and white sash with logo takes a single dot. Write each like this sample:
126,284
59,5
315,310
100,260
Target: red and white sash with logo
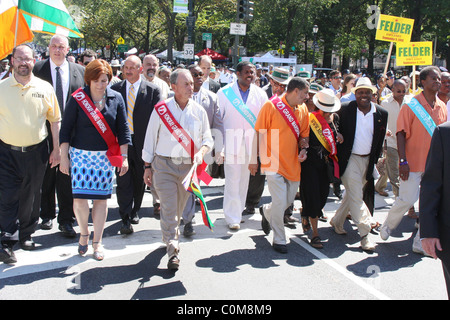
182,137
288,115
101,125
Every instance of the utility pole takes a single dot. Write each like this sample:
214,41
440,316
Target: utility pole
244,12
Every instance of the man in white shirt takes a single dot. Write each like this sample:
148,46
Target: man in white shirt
150,65
392,105
239,132
170,161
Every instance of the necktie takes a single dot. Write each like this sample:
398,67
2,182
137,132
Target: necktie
130,107
59,90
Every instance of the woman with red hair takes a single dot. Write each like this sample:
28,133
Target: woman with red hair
84,149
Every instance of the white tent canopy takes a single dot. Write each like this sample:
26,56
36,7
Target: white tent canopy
176,54
269,58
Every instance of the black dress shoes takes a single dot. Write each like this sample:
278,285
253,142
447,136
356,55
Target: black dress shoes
174,263
7,255
126,228
27,244
67,230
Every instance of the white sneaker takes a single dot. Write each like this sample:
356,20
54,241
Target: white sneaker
338,229
366,244
385,232
234,226
417,246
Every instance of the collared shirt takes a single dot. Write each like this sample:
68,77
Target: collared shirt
24,110
279,147
160,141
135,86
65,78
336,91
161,84
393,108
244,94
364,131
418,139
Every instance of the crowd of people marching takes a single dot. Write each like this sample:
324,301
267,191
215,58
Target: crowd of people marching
71,128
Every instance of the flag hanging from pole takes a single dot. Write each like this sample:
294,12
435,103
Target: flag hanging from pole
192,185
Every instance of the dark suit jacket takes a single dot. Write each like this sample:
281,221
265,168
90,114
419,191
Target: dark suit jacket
146,99
76,75
347,127
434,200
214,86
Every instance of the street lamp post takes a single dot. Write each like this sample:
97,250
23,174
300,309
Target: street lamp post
315,30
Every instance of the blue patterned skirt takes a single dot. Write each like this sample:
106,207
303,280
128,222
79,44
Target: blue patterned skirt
92,174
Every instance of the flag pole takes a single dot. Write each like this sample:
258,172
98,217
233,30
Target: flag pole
17,23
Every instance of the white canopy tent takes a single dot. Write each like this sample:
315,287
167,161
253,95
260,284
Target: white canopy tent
270,59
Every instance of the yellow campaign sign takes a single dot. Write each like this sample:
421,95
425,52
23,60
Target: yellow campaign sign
394,29
415,54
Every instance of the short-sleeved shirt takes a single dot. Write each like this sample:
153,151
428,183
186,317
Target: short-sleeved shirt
25,109
279,152
418,139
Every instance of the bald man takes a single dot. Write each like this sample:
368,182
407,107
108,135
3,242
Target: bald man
140,97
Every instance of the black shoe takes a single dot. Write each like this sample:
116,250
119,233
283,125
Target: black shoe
281,248
27,244
126,228
67,230
264,223
47,224
248,211
188,230
7,255
174,263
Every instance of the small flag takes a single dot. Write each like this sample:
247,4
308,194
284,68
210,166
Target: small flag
192,185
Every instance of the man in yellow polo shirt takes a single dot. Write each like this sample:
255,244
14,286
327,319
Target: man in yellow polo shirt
26,102
279,154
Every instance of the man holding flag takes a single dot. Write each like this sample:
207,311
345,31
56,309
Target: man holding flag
178,136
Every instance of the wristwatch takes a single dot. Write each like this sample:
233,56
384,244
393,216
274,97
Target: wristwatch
147,167
403,162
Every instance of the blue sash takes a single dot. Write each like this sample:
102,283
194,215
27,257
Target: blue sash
240,106
422,115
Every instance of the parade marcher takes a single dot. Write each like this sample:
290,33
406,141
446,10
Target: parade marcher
205,63
95,116
349,83
444,91
208,100
141,96
321,166
392,105
335,82
363,126
26,102
239,105
282,130
434,201
86,56
415,125
172,159
66,78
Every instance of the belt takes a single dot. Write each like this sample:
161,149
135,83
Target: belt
361,155
22,149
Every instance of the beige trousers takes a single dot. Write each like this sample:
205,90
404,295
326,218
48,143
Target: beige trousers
282,192
391,172
168,177
354,180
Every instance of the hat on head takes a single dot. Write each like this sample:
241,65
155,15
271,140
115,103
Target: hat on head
364,82
115,63
281,75
327,101
304,74
315,87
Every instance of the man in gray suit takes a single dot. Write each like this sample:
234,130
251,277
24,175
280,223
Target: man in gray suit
434,202
208,100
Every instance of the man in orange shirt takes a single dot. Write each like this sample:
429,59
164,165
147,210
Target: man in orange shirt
282,130
413,140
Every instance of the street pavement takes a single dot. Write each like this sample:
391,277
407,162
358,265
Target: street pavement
226,265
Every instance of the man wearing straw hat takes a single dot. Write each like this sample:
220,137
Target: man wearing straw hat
363,126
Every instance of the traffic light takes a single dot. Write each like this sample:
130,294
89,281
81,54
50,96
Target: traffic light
245,10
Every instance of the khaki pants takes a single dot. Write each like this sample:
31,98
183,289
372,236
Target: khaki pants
409,194
391,172
354,180
283,193
168,177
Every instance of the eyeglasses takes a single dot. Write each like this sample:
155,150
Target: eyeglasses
86,63
337,77
195,74
26,60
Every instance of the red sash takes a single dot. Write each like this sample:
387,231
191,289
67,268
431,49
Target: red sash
182,137
288,115
327,135
102,127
